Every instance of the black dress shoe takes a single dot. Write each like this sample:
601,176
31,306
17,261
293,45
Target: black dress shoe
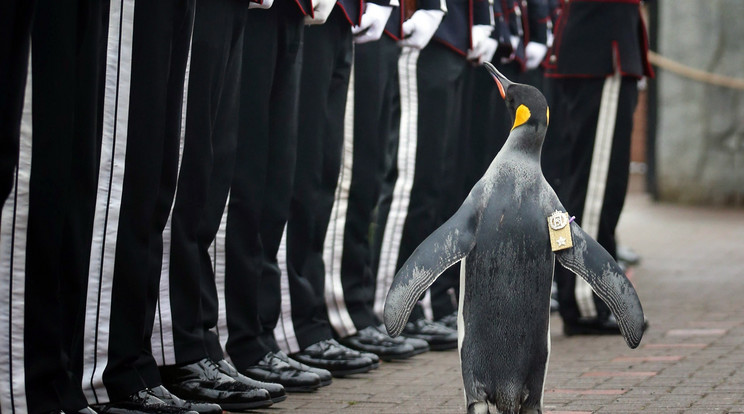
439,337
371,340
449,321
141,402
271,368
334,357
202,408
203,381
607,326
325,376
627,255
276,391
419,345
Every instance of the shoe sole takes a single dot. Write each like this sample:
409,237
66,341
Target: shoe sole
344,372
303,388
279,399
420,351
588,331
393,357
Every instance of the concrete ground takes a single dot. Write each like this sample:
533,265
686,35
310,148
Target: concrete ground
691,359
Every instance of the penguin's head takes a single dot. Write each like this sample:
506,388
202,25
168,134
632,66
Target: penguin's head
526,104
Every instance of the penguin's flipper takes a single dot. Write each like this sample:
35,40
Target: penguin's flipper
443,248
594,264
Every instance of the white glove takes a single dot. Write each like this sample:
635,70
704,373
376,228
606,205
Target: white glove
321,10
514,40
420,28
373,23
483,46
535,54
264,5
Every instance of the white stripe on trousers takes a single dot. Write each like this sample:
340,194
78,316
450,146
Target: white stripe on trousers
163,344
601,156
218,252
13,227
108,199
284,330
333,248
406,161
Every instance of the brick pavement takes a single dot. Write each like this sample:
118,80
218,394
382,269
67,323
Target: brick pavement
691,360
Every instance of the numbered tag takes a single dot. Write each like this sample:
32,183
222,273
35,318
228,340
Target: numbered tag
560,231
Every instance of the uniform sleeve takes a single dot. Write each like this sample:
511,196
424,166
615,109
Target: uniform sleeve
537,18
482,14
501,30
431,5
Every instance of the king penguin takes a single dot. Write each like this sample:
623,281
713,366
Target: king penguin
507,234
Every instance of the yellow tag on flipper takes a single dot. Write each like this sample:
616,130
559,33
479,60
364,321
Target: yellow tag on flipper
560,231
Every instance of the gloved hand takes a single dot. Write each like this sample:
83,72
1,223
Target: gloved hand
264,5
514,40
419,29
483,45
321,10
373,23
535,54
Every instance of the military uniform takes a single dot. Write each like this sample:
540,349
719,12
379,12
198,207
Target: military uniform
598,55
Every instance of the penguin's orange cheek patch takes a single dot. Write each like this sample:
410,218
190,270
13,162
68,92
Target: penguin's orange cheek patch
522,115
547,115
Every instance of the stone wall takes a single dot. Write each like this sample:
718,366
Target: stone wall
700,135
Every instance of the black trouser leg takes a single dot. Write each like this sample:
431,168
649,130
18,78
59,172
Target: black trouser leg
208,156
262,183
581,98
327,58
440,79
161,29
15,32
375,89
67,67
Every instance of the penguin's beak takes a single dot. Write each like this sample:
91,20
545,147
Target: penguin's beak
501,80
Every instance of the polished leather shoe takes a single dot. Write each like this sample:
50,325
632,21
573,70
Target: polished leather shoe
439,337
325,376
334,357
271,368
419,345
449,321
276,391
607,326
371,340
141,402
202,408
203,381
627,255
